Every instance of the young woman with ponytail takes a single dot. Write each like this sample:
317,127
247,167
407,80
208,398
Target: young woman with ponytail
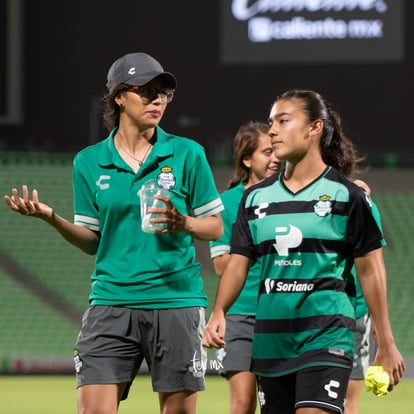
307,227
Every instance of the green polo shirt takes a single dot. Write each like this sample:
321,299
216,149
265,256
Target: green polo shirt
136,269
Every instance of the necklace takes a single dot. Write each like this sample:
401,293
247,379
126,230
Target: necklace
140,161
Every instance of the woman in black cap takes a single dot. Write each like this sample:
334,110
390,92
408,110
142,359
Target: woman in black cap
147,299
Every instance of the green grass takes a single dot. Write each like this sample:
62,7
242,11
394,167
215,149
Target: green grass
57,395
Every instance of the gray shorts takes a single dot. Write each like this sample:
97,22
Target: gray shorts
114,341
365,347
237,354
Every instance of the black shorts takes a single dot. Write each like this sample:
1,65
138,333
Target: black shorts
321,386
114,341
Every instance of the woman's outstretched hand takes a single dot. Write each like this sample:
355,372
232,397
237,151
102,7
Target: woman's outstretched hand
26,206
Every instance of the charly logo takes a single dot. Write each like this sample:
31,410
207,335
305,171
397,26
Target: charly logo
324,206
166,178
101,184
287,238
258,211
328,388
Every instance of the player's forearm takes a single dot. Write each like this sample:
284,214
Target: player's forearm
79,236
204,228
220,263
231,283
372,278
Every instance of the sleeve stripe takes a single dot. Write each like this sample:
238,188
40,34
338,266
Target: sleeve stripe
208,209
85,221
219,250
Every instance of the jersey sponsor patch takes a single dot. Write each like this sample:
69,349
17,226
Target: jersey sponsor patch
274,286
287,237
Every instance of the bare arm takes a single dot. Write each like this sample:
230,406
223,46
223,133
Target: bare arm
220,263
363,185
372,278
81,237
204,228
229,288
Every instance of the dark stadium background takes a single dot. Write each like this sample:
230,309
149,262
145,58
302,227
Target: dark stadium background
68,47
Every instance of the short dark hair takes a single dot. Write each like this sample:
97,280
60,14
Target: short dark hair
111,110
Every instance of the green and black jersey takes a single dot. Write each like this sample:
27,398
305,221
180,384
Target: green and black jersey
305,243
136,269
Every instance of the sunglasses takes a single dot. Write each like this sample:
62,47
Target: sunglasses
149,94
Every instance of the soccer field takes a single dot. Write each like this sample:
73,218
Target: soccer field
57,395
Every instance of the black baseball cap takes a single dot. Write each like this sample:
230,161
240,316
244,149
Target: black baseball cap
137,69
